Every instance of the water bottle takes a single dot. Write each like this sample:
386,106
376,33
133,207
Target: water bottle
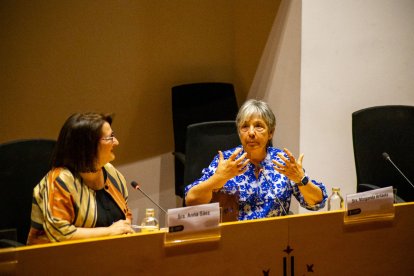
335,200
149,223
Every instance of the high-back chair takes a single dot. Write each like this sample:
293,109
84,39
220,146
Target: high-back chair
195,103
384,129
23,164
204,140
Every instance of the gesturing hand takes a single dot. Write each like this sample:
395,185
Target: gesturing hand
292,167
231,167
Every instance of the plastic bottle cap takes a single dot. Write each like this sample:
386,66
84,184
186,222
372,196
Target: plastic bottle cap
149,212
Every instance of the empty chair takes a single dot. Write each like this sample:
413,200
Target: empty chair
196,103
23,163
388,129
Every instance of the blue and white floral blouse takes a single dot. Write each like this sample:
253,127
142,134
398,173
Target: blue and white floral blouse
261,197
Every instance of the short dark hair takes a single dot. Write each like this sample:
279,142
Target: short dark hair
77,144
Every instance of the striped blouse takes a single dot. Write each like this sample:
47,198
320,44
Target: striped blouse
61,203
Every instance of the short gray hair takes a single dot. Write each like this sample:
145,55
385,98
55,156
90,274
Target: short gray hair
256,107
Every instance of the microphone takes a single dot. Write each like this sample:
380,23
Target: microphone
135,185
387,158
277,198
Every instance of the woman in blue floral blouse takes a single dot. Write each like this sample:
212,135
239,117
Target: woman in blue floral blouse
264,177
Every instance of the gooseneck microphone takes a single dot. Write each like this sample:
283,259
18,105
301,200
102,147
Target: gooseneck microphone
388,158
135,185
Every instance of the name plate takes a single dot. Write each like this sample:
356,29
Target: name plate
377,204
193,218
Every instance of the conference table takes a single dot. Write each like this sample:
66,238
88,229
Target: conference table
317,243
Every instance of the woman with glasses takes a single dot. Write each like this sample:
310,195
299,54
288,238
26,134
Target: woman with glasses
263,177
83,195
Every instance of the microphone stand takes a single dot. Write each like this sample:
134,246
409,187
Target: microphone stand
135,185
388,158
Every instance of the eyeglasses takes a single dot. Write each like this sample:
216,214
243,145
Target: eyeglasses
258,129
109,138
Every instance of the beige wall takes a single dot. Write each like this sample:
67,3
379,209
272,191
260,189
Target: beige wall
60,57
325,59
355,54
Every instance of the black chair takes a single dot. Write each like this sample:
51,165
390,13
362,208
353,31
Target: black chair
196,103
204,140
380,129
23,163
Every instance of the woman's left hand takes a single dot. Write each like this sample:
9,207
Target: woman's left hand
292,168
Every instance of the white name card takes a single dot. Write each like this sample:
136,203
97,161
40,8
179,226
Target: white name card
194,218
370,205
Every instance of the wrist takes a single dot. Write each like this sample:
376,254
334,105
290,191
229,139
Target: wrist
303,181
219,178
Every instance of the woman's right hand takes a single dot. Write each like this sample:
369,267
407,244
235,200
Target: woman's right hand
226,170
120,227
231,167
